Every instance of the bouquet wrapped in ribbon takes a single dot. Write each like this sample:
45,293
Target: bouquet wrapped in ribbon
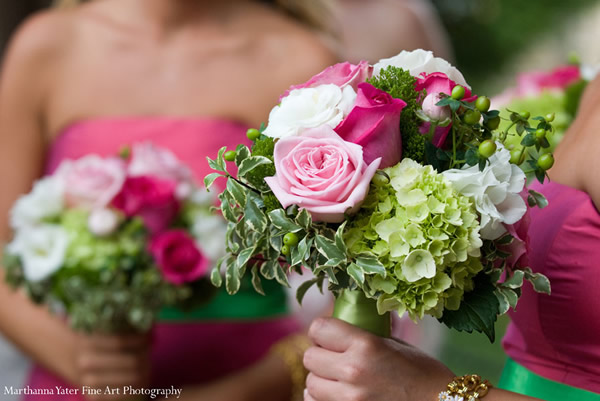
392,182
109,241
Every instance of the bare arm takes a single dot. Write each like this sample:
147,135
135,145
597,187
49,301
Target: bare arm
350,364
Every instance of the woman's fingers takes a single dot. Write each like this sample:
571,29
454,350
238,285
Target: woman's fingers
129,343
111,362
323,363
321,389
334,334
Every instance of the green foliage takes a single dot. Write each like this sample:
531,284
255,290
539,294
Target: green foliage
263,146
401,85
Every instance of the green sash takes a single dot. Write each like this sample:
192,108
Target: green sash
247,304
521,380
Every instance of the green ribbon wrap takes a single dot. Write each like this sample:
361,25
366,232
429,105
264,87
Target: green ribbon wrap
519,379
355,308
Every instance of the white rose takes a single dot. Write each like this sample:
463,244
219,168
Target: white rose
45,200
310,108
103,222
421,61
92,181
495,191
42,250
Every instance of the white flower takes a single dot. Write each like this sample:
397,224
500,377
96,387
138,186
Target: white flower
45,200
421,61
310,108
495,191
42,250
103,222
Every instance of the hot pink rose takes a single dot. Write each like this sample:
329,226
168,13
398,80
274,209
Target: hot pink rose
435,84
150,198
178,257
341,74
374,123
322,173
92,182
148,159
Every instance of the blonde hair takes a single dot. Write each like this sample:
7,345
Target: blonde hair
314,13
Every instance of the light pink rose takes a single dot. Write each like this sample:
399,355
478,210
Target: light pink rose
150,198
148,159
534,82
321,173
92,181
374,123
178,257
435,84
341,74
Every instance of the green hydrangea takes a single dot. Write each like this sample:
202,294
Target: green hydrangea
425,234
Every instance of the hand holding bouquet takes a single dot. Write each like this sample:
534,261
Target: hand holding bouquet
391,181
110,241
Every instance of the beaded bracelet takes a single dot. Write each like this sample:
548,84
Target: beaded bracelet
291,351
465,388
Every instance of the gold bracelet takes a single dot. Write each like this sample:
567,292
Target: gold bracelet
465,388
291,351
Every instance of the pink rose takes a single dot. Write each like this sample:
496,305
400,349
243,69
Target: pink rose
178,257
92,181
519,247
435,84
322,173
374,123
148,159
150,198
341,74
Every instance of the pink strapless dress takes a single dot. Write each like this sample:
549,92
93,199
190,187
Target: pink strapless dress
558,336
184,352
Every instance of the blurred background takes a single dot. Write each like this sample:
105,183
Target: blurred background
492,41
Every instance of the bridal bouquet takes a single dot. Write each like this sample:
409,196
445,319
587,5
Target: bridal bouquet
392,182
109,241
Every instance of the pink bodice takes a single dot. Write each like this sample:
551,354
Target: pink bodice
558,336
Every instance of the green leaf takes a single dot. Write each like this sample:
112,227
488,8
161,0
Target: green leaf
334,262
512,297
478,310
328,248
219,163
300,253
281,277
331,275
472,157
505,240
215,273
516,281
539,281
227,211
371,265
241,153
243,258
303,288
304,219
356,273
256,283
237,191
528,140
540,175
339,238
544,143
232,277
256,220
251,163
268,268
276,243
280,220
210,179
539,199
504,306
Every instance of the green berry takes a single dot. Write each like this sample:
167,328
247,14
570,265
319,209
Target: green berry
230,155
550,117
546,161
517,156
487,148
525,114
290,239
472,117
482,104
380,179
493,123
458,92
253,134
285,250
540,133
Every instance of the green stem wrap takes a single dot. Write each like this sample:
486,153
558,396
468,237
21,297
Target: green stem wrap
355,308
